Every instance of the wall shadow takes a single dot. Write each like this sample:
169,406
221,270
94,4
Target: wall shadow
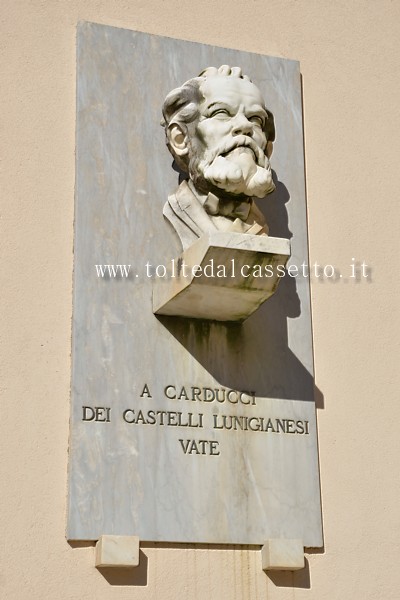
81,544
292,579
122,577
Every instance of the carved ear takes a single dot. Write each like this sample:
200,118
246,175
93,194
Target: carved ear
177,139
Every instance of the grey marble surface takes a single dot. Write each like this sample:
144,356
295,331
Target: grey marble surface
135,479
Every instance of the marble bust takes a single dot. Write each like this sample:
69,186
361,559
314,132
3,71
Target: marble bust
220,134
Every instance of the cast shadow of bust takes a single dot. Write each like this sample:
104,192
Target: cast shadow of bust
254,356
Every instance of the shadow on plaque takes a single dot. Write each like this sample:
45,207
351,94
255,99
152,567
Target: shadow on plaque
256,350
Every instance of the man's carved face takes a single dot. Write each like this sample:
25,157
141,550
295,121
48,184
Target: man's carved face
227,143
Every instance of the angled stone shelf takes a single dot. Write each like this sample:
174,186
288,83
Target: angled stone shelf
223,276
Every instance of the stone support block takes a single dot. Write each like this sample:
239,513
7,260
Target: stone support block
117,551
282,555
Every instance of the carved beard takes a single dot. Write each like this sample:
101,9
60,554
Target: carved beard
238,167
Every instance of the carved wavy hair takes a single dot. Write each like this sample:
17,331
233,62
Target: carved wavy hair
181,106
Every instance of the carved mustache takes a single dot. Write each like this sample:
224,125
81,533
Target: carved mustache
241,141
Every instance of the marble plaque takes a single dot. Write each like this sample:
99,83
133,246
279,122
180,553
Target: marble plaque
182,430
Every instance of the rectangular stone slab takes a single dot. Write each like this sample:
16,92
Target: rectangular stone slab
139,461
222,277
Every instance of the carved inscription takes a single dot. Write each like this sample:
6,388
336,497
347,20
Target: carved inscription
190,419
96,413
200,447
206,394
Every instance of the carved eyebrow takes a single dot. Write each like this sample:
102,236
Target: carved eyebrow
258,110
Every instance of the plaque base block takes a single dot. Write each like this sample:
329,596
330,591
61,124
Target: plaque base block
222,277
117,551
282,555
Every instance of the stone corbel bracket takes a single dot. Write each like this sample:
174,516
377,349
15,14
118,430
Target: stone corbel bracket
222,277
120,551
282,555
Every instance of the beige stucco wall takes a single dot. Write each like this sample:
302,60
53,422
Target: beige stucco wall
349,54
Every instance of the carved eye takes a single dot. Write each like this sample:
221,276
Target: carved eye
257,120
220,112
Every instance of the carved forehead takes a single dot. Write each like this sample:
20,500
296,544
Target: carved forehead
230,90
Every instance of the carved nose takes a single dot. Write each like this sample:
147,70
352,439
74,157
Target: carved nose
242,126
